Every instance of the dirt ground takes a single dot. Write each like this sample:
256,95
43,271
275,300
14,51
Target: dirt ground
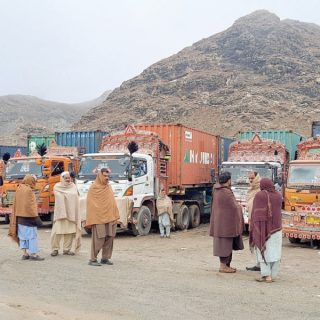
155,278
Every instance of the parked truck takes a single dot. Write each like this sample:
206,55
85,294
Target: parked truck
301,218
182,159
269,158
47,169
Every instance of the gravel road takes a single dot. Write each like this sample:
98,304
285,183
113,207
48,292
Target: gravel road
155,278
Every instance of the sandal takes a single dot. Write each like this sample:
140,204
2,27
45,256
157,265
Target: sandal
68,253
264,279
54,253
227,270
25,257
36,258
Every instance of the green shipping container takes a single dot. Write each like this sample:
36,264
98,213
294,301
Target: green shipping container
289,138
34,141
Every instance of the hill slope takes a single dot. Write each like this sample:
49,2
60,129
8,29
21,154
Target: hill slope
261,73
22,115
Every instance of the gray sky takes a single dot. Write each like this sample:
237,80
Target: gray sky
73,50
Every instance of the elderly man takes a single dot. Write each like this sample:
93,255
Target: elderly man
102,217
226,223
254,180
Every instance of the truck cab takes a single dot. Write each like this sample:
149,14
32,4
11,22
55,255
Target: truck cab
47,170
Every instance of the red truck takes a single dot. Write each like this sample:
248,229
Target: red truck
182,159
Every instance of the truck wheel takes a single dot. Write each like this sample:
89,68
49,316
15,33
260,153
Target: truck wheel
294,240
6,219
143,226
183,218
194,213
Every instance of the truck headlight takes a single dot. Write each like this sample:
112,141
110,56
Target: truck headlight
129,191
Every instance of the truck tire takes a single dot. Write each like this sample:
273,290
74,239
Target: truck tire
6,219
144,219
183,218
194,220
294,240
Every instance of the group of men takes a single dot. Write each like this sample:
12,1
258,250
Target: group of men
265,236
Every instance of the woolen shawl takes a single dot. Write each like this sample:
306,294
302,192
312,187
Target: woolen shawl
101,204
226,213
266,215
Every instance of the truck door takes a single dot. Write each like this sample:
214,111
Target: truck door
142,177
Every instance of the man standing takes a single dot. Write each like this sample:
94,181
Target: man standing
226,223
254,180
102,217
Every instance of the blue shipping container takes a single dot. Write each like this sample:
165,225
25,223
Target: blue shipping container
315,129
12,150
87,141
287,137
224,144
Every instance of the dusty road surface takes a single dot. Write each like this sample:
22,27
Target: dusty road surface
155,278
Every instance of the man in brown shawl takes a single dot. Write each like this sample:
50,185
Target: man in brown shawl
24,219
66,219
226,223
265,230
102,217
165,214
254,180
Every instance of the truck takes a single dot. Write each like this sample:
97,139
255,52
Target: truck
301,216
181,159
36,140
86,141
269,158
47,169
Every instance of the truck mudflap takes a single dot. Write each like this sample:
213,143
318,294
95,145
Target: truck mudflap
302,224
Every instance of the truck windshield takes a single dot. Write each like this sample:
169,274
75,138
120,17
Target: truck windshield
118,165
17,169
240,172
303,175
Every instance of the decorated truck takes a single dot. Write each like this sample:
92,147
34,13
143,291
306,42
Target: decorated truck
47,169
301,217
181,159
269,158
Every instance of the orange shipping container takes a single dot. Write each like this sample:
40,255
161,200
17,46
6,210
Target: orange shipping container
193,153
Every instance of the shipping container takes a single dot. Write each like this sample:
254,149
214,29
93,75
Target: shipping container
35,140
224,144
86,141
12,150
315,131
289,138
194,153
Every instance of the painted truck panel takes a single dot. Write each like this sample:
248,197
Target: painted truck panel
193,153
287,137
315,129
34,140
86,141
12,150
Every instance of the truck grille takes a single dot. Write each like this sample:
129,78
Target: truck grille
8,199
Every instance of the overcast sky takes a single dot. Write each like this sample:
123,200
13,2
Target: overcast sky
73,50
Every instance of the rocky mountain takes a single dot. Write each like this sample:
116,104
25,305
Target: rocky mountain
261,73
22,115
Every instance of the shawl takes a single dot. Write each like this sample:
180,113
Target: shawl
24,204
252,191
67,205
164,205
266,215
226,214
101,204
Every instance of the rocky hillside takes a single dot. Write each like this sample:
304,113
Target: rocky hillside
22,115
261,73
